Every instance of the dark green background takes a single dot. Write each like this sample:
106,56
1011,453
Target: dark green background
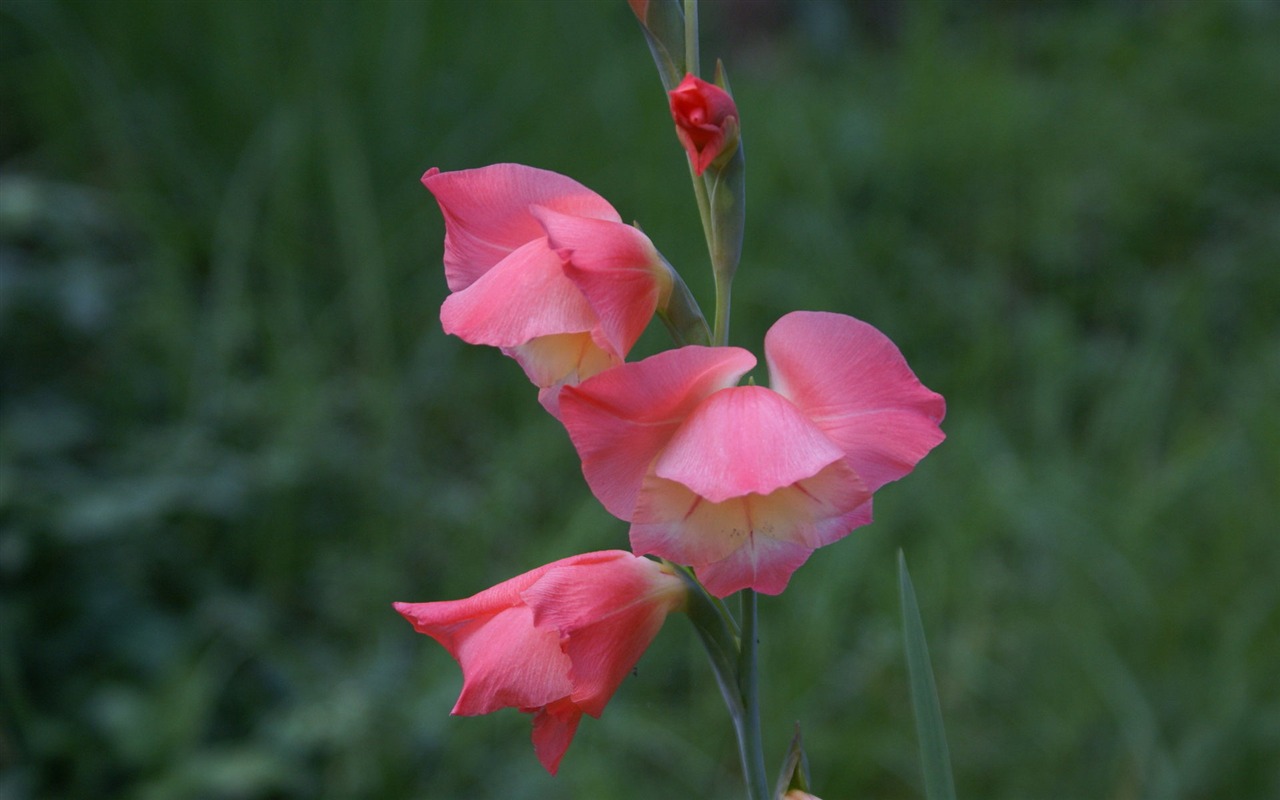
232,432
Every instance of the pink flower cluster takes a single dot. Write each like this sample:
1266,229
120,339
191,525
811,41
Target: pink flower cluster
739,483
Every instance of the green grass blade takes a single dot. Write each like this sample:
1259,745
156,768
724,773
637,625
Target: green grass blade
934,757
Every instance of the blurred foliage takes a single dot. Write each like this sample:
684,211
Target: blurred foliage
231,431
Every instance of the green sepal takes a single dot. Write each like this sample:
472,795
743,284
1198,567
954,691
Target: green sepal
725,179
663,25
795,768
682,315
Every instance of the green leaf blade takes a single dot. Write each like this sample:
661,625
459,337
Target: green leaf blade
935,759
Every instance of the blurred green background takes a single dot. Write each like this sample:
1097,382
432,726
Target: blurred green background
232,432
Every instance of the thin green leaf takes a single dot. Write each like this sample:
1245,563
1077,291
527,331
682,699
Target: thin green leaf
934,757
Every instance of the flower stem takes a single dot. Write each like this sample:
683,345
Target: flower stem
704,209
750,741
732,652
691,36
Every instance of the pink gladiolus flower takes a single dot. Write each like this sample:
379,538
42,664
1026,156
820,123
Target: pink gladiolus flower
555,642
744,482
706,120
545,269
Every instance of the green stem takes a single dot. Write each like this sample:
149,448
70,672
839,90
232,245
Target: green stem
750,741
691,37
732,653
704,206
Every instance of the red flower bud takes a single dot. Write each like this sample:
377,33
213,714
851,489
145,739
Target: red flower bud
706,121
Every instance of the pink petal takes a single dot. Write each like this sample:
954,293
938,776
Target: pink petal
486,213
615,267
509,663
765,565
853,382
447,621
620,419
741,540
743,440
524,296
481,631
559,359
483,644
608,607
553,730
672,522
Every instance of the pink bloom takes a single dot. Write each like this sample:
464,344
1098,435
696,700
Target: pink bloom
706,120
744,482
545,269
555,642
